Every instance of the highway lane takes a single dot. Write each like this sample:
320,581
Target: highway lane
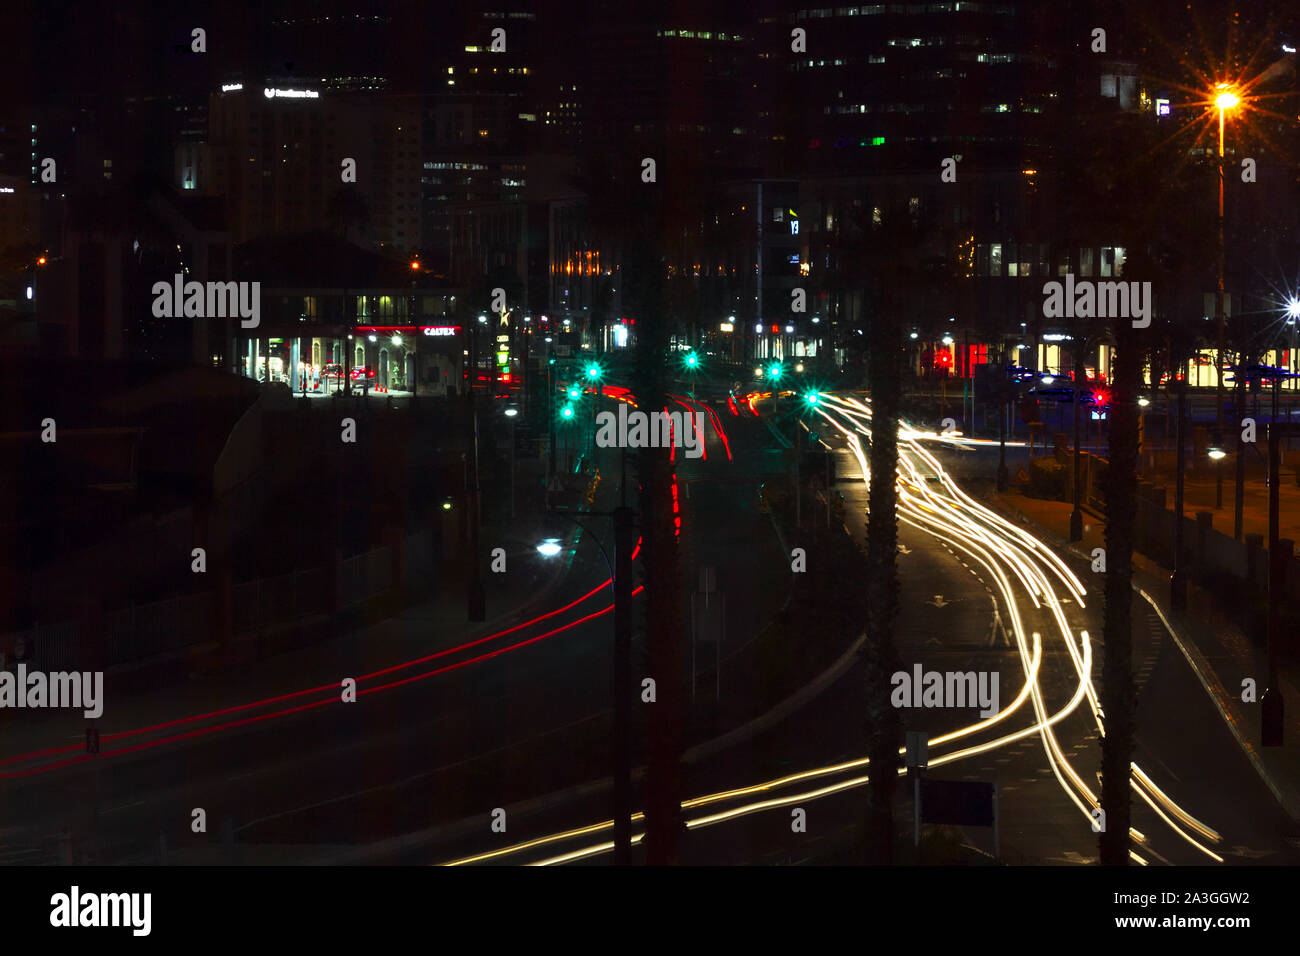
1039,573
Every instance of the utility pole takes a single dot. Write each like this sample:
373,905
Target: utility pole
550,417
475,597
1238,493
1271,705
798,518
1178,582
624,542
1219,322
1076,515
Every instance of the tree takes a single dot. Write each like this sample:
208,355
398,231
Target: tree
884,260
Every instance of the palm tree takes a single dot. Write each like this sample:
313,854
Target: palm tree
891,251
1115,197
630,219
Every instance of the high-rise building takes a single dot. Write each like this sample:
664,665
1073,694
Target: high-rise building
283,156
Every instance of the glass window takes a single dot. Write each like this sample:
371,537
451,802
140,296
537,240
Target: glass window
1063,262
1107,261
995,259
1086,256
1012,263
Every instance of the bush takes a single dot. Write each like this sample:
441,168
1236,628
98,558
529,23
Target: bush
1049,478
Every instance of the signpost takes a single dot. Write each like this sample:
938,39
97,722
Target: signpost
708,624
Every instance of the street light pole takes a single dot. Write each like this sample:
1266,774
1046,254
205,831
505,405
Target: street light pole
1271,705
1178,583
1224,101
1076,515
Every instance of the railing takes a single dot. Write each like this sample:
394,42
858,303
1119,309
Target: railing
141,631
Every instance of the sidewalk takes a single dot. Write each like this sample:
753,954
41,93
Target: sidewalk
1199,494
1218,652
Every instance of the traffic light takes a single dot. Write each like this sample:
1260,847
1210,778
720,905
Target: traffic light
812,398
551,359
775,372
567,412
575,393
593,372
692,360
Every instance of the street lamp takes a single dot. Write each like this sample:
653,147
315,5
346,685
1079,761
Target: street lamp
1225,100
510,414
1292,317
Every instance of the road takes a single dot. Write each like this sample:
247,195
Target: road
413,770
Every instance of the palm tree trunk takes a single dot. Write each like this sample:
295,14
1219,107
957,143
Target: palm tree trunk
1117,692
665,655
883,725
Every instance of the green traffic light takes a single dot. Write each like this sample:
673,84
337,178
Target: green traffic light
692,360
775,372
567,412
593,372
812,398
575,392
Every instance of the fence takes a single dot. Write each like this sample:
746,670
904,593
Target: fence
364,576
55,647
141,631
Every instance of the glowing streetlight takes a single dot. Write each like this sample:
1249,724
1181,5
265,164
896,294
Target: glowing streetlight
1227,99
549,548
1293,309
